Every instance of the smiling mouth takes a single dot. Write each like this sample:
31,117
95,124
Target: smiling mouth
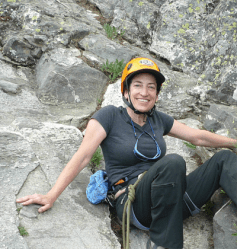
143,100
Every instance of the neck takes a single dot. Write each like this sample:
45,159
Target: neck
137,118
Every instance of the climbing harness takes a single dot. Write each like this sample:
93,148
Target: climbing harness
127,210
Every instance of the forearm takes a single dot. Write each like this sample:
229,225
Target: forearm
71,170
209,139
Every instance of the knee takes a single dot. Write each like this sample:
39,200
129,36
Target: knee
176,164
173,165
224,155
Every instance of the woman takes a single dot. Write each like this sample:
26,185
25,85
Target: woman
132,142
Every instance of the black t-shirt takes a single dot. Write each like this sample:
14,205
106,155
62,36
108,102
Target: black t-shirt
119,143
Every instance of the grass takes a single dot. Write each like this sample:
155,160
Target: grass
189,145
234,234
113,69
23,231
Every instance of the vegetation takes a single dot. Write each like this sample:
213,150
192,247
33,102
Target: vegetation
189,145
114,69
208,208
99,101
235,234
112,32
18,210
23,231
96,158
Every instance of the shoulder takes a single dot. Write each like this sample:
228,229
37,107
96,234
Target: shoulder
107,110
106,116
162,115
164,120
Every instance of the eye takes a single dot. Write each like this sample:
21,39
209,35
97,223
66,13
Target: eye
151,87
137,85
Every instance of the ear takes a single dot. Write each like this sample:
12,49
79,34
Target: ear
126,94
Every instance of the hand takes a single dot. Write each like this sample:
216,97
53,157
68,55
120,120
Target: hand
43,200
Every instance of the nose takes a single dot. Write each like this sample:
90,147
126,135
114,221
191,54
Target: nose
144,91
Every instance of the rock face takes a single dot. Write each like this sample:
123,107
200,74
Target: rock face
51,82
225,227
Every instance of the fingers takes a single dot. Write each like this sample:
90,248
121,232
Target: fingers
20,200
29,199
37,199
28,202
44,208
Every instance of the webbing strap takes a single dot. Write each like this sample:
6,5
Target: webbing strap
193,209
127,210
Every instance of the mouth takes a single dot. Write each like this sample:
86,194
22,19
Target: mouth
143,100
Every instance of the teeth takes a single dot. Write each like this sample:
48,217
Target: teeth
143,100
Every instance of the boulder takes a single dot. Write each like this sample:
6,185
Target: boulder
225,229
221,117
63,79
72,219
106,49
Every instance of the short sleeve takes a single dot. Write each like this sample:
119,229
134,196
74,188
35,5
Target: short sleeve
167,122
105,117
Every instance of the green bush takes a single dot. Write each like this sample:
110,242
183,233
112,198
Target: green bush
22,231
112,32
208,208
114,69
96,158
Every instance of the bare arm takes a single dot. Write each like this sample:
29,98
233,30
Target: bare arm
95,134
201,137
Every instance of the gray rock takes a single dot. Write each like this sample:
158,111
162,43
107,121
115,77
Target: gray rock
113,95
64,225
17,160
9,87
224,226
139,20
106,49
61,78
222,117
19,51
69,222
106,7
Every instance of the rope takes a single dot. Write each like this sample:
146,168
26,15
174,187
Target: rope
127,209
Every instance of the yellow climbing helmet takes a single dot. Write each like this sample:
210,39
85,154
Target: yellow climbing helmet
141,65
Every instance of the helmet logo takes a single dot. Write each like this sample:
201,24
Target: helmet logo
129,66
146,62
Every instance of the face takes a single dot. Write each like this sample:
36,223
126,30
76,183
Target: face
143,92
